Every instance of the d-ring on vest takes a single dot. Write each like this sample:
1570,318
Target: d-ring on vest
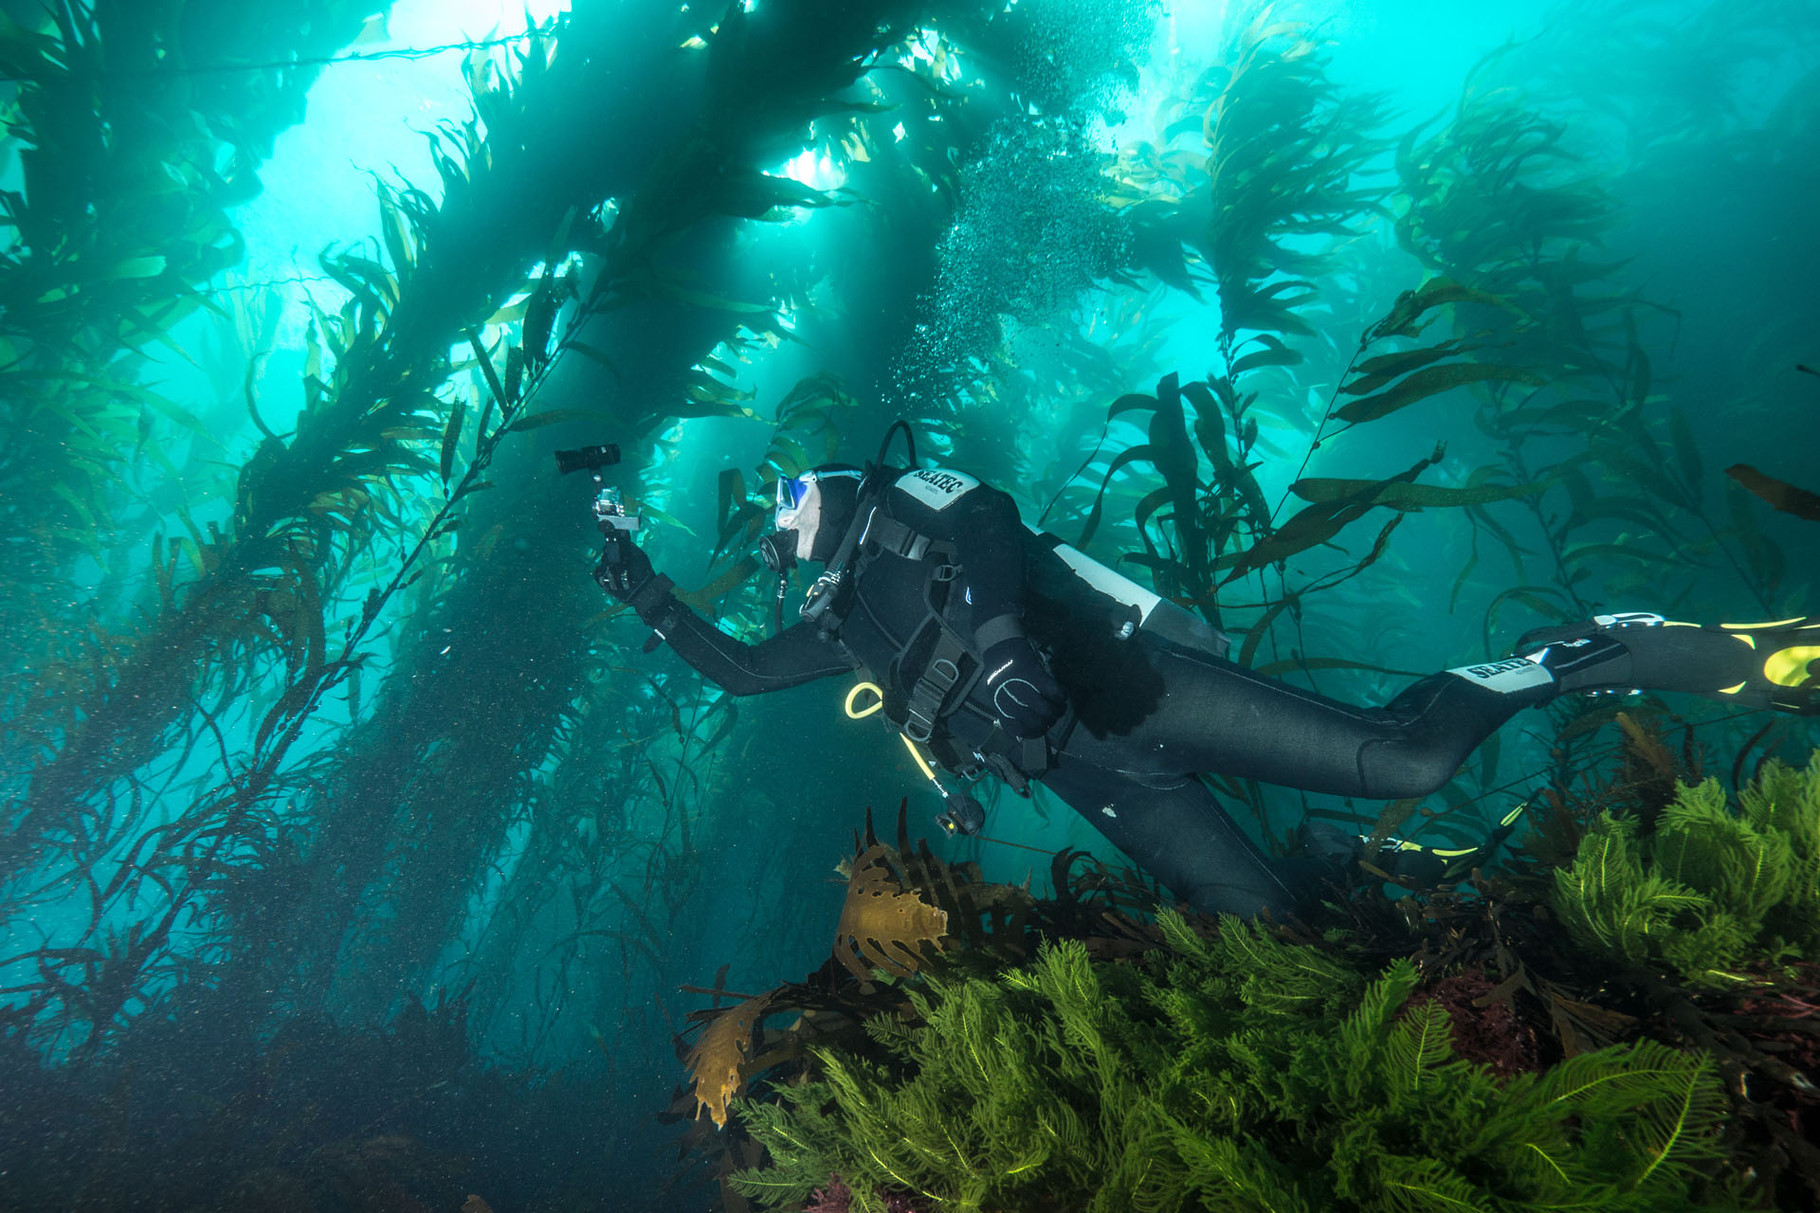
953,667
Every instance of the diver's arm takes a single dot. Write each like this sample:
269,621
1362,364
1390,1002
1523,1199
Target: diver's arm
794,656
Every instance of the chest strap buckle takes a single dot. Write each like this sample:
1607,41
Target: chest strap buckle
926,697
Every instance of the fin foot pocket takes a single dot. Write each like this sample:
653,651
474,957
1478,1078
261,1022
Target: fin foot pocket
1761,665
1409,864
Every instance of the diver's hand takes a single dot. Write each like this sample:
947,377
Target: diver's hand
625,573
1025,695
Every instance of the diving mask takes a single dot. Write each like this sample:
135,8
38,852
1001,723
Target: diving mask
799,513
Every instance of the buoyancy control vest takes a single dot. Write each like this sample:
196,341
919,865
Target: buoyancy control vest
935,662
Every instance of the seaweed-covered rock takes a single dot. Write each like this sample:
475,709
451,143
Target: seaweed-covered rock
1235,1071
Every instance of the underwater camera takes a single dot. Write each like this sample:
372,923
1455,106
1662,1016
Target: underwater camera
610,513
587,458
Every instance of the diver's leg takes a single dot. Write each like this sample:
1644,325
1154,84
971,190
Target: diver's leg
1180,835
1220,717
1217,716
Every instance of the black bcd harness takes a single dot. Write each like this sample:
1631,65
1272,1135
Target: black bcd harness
940,647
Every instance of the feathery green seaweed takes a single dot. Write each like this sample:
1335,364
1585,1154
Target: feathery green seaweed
1226,1072
1712,894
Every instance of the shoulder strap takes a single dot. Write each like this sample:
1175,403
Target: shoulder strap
887,534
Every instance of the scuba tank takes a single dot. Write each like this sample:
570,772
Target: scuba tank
1147,611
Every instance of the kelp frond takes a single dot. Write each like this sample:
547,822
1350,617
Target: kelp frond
1280,187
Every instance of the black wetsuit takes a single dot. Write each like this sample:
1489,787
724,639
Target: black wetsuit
1146,717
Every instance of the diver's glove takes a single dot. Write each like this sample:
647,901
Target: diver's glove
625,573
1025,695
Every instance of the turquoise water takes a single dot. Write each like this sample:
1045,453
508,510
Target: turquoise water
313,716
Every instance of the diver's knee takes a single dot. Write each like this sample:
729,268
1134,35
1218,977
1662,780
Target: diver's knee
1397,770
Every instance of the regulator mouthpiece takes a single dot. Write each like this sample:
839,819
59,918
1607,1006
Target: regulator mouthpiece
778,551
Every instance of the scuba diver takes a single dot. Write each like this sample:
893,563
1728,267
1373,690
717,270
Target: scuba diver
997,648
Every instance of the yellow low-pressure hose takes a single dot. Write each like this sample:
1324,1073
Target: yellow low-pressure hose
856,692
857,713
920,760
957,802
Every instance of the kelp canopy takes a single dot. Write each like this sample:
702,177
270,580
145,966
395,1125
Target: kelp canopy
324,761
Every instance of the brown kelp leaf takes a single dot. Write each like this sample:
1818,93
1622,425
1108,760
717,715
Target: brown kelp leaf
485,362
729,488
1432,381
1687,448
1402,496
739,518
536,421
1127,456
721,1054
1410,306
1318,523
749,194
1765,557
707,598
1780,494
811,400
1210,433
881,925
540,318
451,434
1273,353
1377,372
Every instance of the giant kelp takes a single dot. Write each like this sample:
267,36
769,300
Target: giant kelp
379,408
1502,201
749,111
368,393
122,213
1523,334
1278,188
303,509
651,215
1284,152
